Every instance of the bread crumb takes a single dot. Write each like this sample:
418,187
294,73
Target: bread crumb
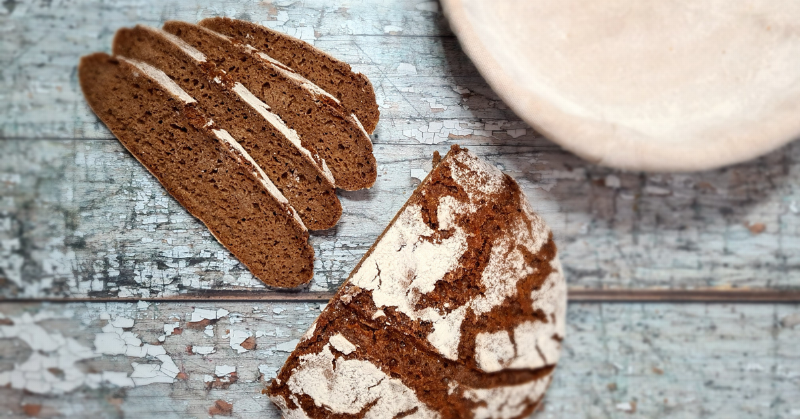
756,228
32,409
221,408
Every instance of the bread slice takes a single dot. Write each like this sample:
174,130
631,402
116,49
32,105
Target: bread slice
457,310
316,115
305,182
200,165
353,89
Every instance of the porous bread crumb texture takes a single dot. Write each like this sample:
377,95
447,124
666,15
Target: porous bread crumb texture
353,89
212,180
296,175
321,123
461,299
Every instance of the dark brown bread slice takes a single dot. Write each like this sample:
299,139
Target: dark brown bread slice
353,89
201,166
305,107
290,166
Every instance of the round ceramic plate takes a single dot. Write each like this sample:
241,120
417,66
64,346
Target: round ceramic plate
643,84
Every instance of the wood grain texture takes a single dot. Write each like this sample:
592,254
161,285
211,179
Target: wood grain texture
672,361
83,218
79,217
576,295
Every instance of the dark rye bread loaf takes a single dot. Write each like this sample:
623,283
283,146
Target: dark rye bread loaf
200,165
353,89
304,181
457,311
316,115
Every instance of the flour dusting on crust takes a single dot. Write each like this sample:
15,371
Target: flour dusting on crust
509,317
348,386
403,266
506,402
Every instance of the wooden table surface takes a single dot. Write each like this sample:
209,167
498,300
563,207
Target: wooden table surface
115,302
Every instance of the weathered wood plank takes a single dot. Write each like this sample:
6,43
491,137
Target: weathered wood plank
83,218
77,221
426,87
684,360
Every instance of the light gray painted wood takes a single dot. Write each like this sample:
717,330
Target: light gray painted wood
77,215
82,218
670,360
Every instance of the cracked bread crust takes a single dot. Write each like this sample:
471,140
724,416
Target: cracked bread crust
313,113
291,167
200,165
353,89
461,301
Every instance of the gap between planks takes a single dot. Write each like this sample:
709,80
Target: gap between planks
574,296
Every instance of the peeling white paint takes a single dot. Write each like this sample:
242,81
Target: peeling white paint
407,69
223,370
53,366
122,322
434,104
392,30
625,407
288,346
268,371
306,33
434,132
237,338
201,314
203,350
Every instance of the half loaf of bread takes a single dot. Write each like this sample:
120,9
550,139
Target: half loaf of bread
457,311
353,89
201,165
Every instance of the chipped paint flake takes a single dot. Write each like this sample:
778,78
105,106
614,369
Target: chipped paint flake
407,69
268,372
288,346
203,350
392,30
201,314
237,337
223,370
